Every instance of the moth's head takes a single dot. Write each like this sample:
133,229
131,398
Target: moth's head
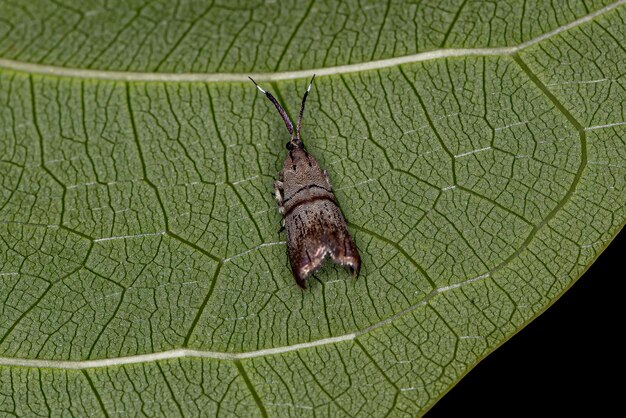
294,143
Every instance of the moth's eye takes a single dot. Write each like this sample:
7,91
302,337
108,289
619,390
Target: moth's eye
289,146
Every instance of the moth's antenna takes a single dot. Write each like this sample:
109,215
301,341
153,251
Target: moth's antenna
306,93
282,112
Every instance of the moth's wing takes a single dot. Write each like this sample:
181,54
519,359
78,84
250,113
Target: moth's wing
344,251
315,230
337,239
307,244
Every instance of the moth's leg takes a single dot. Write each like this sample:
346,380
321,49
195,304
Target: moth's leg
327,179
278,195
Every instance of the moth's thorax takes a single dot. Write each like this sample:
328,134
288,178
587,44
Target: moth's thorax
301,170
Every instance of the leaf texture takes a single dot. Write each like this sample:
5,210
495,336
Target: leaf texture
481,167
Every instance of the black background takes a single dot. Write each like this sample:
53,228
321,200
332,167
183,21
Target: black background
568,361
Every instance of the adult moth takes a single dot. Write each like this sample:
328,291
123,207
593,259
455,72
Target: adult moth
314,223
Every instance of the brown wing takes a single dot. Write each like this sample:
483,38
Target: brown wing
316,229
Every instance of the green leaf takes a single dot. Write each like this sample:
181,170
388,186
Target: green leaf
477,149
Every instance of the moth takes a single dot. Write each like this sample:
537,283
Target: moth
312,219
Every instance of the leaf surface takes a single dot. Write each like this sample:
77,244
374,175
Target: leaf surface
480,163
